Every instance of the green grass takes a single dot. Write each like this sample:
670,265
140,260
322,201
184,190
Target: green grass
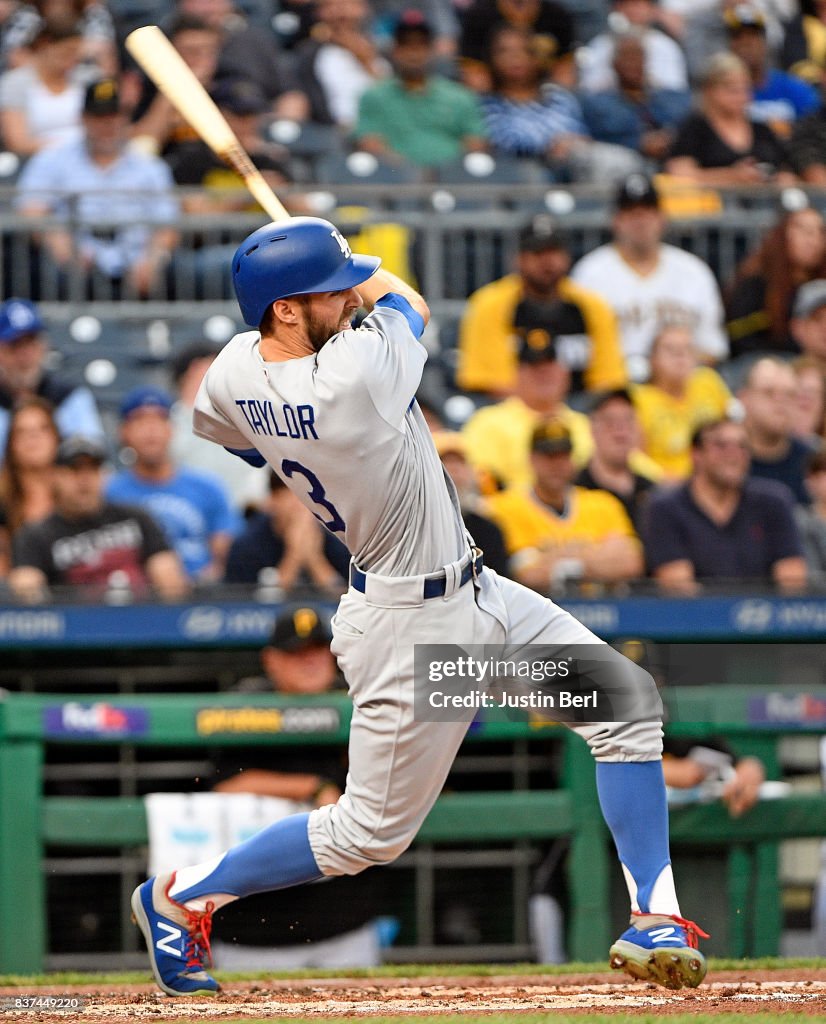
396,971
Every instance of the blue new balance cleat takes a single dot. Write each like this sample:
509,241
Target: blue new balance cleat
661,949
177,938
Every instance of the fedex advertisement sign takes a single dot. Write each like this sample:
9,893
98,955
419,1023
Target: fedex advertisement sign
90,720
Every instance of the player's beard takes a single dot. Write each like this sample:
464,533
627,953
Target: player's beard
321,329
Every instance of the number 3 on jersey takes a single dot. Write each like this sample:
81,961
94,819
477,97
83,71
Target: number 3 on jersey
316,494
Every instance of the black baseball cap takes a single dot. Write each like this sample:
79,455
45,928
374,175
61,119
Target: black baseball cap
552,438
412,22
239,97
540,234
102,98
77,447
601,398
298,626
637,190
533,322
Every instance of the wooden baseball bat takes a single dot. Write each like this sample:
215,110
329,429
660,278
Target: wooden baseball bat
176,80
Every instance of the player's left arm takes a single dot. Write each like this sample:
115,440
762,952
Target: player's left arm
382,282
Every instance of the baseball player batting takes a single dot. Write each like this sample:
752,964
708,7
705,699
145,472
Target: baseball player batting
332,410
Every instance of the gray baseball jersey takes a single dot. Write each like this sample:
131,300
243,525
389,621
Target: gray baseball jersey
342,429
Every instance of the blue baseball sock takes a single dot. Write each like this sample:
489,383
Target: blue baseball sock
633,801
274,858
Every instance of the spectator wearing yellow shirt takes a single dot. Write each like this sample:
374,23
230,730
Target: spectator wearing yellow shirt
539,296
556,531
498,436
680,396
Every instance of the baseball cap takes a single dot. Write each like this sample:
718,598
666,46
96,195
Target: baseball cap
411,22
600,398
551,438
809,299
637,190
744,16
240,97
540,234
78,447
301,625
532,321
19,317
144,397
102,97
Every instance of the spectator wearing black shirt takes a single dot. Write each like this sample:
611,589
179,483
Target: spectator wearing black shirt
87,539
720,144
760,300
221,188
286,537
156,124
721,524
330,924
616,435
768,396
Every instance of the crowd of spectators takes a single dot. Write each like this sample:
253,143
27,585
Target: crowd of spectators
634,416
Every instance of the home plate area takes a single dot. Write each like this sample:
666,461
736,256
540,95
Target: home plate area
798,992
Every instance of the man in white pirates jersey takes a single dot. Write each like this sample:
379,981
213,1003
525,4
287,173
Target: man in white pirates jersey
332,410
650,284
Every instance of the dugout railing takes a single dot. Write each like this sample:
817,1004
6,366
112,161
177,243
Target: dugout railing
30,822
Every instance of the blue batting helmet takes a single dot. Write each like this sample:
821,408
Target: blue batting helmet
294,257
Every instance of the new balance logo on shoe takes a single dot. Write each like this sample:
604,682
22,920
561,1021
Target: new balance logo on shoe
666,954
178,946
173,935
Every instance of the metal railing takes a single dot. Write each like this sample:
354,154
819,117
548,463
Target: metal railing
455,245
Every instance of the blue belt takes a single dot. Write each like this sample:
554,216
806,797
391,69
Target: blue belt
433,587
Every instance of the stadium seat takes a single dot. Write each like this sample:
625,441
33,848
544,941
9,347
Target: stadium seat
361,168
307,143
10,167
112,354
460,179
367,171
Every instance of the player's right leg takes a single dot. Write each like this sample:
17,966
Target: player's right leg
660,945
